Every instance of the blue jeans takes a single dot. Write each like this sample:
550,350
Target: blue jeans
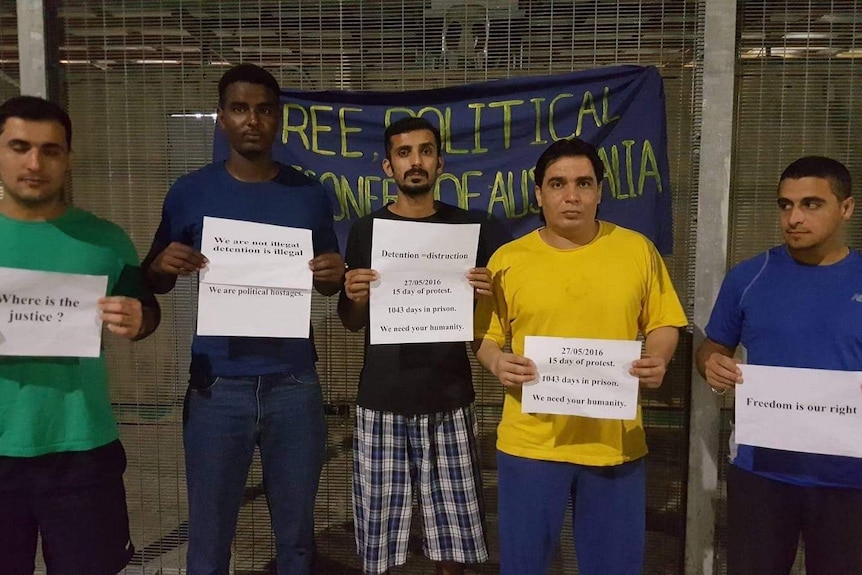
283,415
609,515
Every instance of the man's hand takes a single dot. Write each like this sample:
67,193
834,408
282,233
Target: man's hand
122,315
327,268
722,372
357,284
649,370
513,370
480,279
178,260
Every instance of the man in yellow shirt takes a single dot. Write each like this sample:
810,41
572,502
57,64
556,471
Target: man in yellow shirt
577,277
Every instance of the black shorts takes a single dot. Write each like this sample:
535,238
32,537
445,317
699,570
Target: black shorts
766,517
76,501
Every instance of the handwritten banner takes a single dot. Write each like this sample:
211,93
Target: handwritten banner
492,134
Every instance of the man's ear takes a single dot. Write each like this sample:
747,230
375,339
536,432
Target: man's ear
849,206
387,167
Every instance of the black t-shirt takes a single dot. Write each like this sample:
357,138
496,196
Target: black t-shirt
417,378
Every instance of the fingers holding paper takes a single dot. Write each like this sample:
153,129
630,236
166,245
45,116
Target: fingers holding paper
327,268
122,315
722,372
178,259
514,370
357,284
480,280
650,371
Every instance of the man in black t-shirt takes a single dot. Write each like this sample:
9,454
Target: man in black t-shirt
415,423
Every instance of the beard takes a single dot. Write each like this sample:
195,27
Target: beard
417,190
414,190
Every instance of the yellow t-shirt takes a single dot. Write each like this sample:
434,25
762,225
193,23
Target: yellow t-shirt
611,288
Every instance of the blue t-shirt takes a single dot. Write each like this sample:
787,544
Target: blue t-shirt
794,315
291,199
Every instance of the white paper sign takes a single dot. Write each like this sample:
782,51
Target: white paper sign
257,282
585,377
423,294
805,410
50,314
252,254
250,311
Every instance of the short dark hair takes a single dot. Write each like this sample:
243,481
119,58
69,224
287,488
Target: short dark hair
36,110
409,124
568,148
250,73
821,167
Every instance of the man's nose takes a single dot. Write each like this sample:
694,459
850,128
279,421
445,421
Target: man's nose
796,216
34,159
572,195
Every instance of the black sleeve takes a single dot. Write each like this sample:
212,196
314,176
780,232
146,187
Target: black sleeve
357,254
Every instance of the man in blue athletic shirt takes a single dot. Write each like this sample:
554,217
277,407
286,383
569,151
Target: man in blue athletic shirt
795,305
246,391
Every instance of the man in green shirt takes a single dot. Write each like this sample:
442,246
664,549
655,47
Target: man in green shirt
61,461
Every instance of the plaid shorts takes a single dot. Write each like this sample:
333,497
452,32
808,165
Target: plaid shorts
436,455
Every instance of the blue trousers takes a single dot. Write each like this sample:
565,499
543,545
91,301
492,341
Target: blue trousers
283,415
609,515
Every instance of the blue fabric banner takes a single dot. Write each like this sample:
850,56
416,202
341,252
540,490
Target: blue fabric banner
492,133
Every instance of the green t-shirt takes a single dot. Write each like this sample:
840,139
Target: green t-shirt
47,404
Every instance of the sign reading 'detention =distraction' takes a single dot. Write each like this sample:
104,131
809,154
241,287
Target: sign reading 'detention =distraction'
422,294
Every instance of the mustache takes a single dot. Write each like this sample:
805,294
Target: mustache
416,172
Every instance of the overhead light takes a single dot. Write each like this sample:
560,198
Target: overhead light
841,18
140,13
8,60
614,21
228,33
262,50
801,51
808,35
88,32
97,63
579,52
167,32
148,61
220,63
754,53
181,48
119,48
851,53
219,14
195,115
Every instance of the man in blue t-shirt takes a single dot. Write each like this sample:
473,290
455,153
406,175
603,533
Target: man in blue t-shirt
795,305
246,391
